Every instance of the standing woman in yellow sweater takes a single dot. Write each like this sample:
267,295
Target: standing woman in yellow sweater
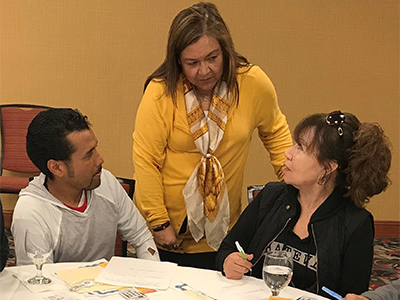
192,135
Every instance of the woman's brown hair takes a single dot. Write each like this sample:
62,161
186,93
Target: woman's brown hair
362,153
187,28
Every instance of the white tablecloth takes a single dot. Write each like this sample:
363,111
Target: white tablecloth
12,289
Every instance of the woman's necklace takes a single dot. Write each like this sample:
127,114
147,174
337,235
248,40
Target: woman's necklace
204,100
200,97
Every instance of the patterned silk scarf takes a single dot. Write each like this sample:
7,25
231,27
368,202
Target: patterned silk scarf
205,193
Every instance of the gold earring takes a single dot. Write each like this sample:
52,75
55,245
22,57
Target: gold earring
321,180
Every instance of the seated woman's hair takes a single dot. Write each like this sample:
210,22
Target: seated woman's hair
361,150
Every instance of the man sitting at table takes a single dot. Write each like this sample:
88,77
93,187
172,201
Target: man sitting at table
81,204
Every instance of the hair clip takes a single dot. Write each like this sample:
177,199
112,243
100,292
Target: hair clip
336,118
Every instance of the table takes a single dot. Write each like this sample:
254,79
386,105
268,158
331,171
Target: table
211,281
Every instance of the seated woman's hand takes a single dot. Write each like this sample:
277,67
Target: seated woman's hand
355,297
166,238
235,266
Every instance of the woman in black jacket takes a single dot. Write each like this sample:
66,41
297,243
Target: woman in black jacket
317,214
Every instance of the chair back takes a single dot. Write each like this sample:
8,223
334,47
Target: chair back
14,122
128,185
252,192
121,247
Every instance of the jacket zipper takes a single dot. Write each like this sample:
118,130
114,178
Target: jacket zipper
316,255
262,253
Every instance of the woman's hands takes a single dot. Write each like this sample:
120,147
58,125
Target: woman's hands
166,238
235,266
355,297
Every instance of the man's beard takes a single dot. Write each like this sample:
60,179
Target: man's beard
96,180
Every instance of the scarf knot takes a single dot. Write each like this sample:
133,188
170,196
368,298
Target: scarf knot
210,185
205,192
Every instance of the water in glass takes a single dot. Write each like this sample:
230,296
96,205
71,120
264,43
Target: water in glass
277,270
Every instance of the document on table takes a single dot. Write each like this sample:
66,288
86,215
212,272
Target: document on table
23,273
137,272
8,284
78,275
191,292
219,287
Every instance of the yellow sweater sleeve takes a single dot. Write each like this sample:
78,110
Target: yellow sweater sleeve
273,129
149,143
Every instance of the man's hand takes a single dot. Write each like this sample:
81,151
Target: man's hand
235,266
166,238
355,297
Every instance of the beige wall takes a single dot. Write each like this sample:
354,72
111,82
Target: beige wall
95,55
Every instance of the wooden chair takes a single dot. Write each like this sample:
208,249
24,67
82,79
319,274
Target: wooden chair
121,247
252,191
14,122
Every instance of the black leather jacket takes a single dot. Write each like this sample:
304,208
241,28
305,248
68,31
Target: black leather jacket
342,232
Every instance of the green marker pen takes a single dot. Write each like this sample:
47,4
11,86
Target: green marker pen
240,249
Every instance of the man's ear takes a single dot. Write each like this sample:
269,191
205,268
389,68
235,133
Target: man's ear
57,167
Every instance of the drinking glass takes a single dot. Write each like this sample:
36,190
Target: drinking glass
277,270
38,246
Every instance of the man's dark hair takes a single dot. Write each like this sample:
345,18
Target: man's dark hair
47,136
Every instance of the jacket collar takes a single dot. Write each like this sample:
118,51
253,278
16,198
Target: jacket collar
331,205
328,208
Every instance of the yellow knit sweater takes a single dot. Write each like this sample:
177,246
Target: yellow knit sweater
165,155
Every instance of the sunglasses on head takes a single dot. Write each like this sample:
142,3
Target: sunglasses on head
336,118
